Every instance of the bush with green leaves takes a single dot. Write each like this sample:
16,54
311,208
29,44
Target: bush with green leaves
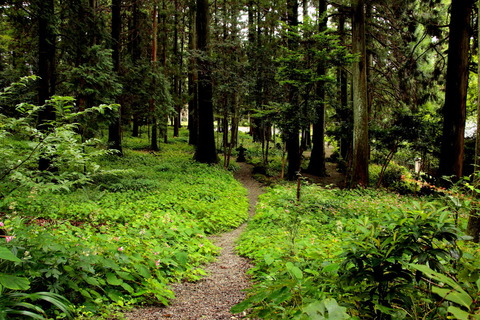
395,177
141,224
349,249
22,145
375,267
14,300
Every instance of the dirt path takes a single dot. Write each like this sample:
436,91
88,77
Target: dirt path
212,297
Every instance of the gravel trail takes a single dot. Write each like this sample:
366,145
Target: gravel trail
212,297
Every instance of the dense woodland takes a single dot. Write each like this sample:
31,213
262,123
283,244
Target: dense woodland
372,76
104,104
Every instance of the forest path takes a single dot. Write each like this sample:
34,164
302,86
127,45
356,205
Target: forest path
212,297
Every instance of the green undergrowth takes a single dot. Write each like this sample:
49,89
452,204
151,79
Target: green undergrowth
355,254
141,224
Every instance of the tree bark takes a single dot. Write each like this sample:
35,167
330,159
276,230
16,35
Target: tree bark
192,83
176,76
344,112
154,142
46,71
454,110
473,227
115,128
205,151
359,173
292,134
316,165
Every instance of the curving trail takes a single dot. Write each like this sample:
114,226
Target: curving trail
212,297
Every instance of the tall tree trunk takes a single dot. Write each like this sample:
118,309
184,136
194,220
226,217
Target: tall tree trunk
454,110
154,142
115,128
317,160
46,59
344,112
206,151
192,83
176,76
46,71
473,227
135,49
359,173
292,134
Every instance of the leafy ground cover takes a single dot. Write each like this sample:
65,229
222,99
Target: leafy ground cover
360,254
139,225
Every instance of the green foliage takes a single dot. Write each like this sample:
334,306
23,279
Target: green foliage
94,82
378,253
121,240
459,302
16,303
351,250
395,177
23,144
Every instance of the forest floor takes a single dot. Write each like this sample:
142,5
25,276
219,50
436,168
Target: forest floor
224,286
212,297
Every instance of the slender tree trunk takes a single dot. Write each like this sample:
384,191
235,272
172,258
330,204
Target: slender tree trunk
317,160
177,72
360,102
46,71
473,227
454,110
114,130
154,141
46,59
192,83
206,151
292,135
344,113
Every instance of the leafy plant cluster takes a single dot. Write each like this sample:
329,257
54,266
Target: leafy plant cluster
137,226
356,254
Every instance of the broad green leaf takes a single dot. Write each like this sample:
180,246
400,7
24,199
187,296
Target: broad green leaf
113,280
461,298
182,258
294,270
240,307
334,310
315,310
459,313
114,295
127,287
6,254
268,259
333,267
15,283
125,275
279,296
143,271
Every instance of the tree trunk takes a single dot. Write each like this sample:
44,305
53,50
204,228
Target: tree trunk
176,76
344,112
359,175
46,71
154,142
114,130
46,59
473,227
454,110
316,165
192,84
206,151
292,135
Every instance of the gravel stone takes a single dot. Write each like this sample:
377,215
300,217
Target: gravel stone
224,286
